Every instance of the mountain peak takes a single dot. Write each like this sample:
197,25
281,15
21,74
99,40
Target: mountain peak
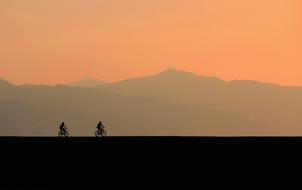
178,75
175,72
87,83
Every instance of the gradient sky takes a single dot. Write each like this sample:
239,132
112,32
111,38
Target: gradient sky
59,41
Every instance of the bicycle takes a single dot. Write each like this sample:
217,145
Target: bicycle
101,133
62,133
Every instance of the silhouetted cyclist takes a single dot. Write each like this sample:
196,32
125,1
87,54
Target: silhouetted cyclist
63,128
100,126
100,130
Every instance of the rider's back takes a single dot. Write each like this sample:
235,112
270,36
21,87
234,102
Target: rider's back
62,126
100,126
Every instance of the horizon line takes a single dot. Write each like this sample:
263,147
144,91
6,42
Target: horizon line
149,75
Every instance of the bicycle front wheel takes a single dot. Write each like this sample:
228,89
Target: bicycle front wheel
104,133
66,134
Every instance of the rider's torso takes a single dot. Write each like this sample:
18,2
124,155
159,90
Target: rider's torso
62,128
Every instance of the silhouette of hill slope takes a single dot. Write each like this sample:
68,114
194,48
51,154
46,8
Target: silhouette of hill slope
4,82
87,83
277,107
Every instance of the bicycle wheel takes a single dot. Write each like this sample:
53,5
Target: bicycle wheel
97,133
103,133
66,134
59,134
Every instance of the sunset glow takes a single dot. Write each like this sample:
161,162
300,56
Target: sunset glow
59,41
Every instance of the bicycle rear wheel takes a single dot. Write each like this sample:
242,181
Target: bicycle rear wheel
97,133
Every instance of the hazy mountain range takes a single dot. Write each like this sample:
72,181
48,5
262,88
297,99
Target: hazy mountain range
172,102
87,83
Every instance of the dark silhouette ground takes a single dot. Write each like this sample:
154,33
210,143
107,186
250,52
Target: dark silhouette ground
144,162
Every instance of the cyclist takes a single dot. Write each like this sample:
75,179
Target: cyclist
63,128
100,126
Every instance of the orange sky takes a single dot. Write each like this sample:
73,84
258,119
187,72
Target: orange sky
59,41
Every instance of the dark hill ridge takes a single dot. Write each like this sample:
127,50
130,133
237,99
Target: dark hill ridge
97,163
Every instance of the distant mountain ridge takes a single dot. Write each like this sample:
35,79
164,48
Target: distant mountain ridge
4,82
87,83
272,104
169,103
